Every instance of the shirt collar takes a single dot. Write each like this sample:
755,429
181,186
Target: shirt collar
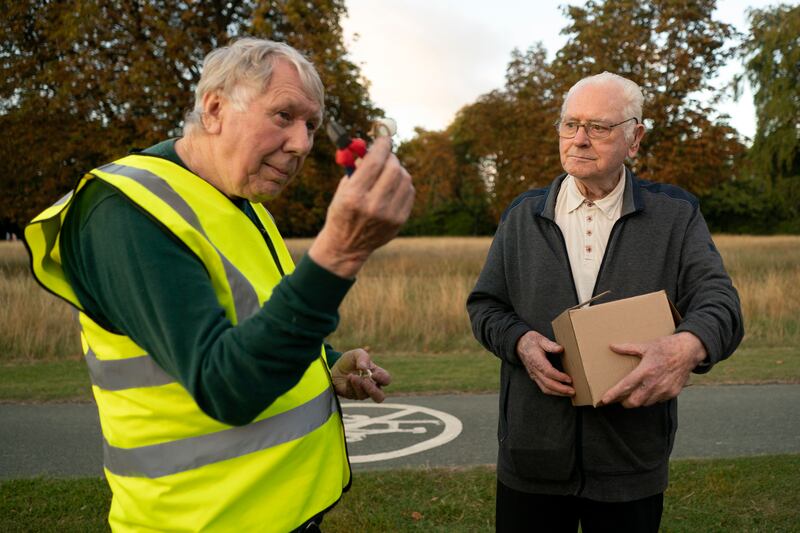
606,204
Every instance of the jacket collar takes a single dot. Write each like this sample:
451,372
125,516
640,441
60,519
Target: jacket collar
631,196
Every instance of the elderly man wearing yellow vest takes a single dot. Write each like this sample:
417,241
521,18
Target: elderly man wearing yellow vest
216,394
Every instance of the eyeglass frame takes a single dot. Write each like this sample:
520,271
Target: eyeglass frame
585,125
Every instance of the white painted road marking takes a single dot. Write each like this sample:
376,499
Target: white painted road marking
359,427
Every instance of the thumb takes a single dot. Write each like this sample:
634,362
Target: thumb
626,348
362,359
346,363
549,346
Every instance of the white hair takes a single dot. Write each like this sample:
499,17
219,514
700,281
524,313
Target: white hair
241,70
630,92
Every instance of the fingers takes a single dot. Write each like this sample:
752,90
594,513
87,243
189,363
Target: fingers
381,376
551,386
661,374
366,212
363,378
549,346
532,349
630,385
371,165
364,387
627,349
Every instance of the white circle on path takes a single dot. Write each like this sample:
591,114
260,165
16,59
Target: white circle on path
452,428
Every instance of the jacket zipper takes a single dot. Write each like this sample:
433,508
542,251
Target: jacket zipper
608,247
579,413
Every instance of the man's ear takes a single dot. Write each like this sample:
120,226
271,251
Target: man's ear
213,105
637,138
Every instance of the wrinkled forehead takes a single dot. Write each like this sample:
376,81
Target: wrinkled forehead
287,87
596,101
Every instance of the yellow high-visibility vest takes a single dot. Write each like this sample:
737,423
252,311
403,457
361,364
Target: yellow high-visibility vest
170,466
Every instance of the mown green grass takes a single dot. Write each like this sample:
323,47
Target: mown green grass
412,373
755,494
45,381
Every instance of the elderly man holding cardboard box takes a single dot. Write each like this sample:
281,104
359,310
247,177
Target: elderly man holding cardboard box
596,228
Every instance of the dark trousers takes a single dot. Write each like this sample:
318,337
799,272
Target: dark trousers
524,512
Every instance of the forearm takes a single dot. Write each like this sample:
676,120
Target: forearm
494,322
495,325
236,372
707,298
137,280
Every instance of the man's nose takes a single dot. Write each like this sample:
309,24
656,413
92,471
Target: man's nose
581,136
300,139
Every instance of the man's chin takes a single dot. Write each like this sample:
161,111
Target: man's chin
265,194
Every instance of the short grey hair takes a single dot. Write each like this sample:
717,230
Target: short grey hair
241,70
631,94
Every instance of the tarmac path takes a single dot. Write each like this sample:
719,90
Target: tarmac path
64,440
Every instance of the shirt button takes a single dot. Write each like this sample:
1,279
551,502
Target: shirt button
588,249
589,204
589,219
589,232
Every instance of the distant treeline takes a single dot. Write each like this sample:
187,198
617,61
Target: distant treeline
81,83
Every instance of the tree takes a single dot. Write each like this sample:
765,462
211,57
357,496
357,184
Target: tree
450,196
508,135
82,83
772,54
772,65
671,48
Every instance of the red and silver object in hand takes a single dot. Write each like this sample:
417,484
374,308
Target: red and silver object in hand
349,150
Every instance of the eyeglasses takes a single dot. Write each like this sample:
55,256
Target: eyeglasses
595,130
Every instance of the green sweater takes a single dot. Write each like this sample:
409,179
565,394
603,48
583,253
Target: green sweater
135,277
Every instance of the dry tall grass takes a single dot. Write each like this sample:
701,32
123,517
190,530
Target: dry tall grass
766,272
410,297
33,323
411,294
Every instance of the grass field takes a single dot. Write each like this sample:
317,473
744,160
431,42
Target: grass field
410,297
412,373
757,494
408,307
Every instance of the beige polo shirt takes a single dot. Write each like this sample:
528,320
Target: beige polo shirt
586,226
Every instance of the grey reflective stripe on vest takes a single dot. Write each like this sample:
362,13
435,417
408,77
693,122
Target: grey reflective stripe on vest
187,454
245,299
63,199
130,373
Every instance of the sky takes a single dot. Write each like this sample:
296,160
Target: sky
425,59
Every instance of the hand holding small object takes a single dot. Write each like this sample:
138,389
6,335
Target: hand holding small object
356,377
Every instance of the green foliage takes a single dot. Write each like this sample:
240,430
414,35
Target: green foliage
81,83
747,206
450,195
772,63
766,198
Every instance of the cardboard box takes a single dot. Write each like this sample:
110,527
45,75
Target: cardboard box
586,333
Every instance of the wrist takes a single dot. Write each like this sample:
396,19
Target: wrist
693,346
333,259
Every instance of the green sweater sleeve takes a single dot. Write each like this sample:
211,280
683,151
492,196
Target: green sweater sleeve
135,277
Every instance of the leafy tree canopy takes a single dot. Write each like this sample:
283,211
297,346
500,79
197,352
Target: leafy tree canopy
82,83
772,63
